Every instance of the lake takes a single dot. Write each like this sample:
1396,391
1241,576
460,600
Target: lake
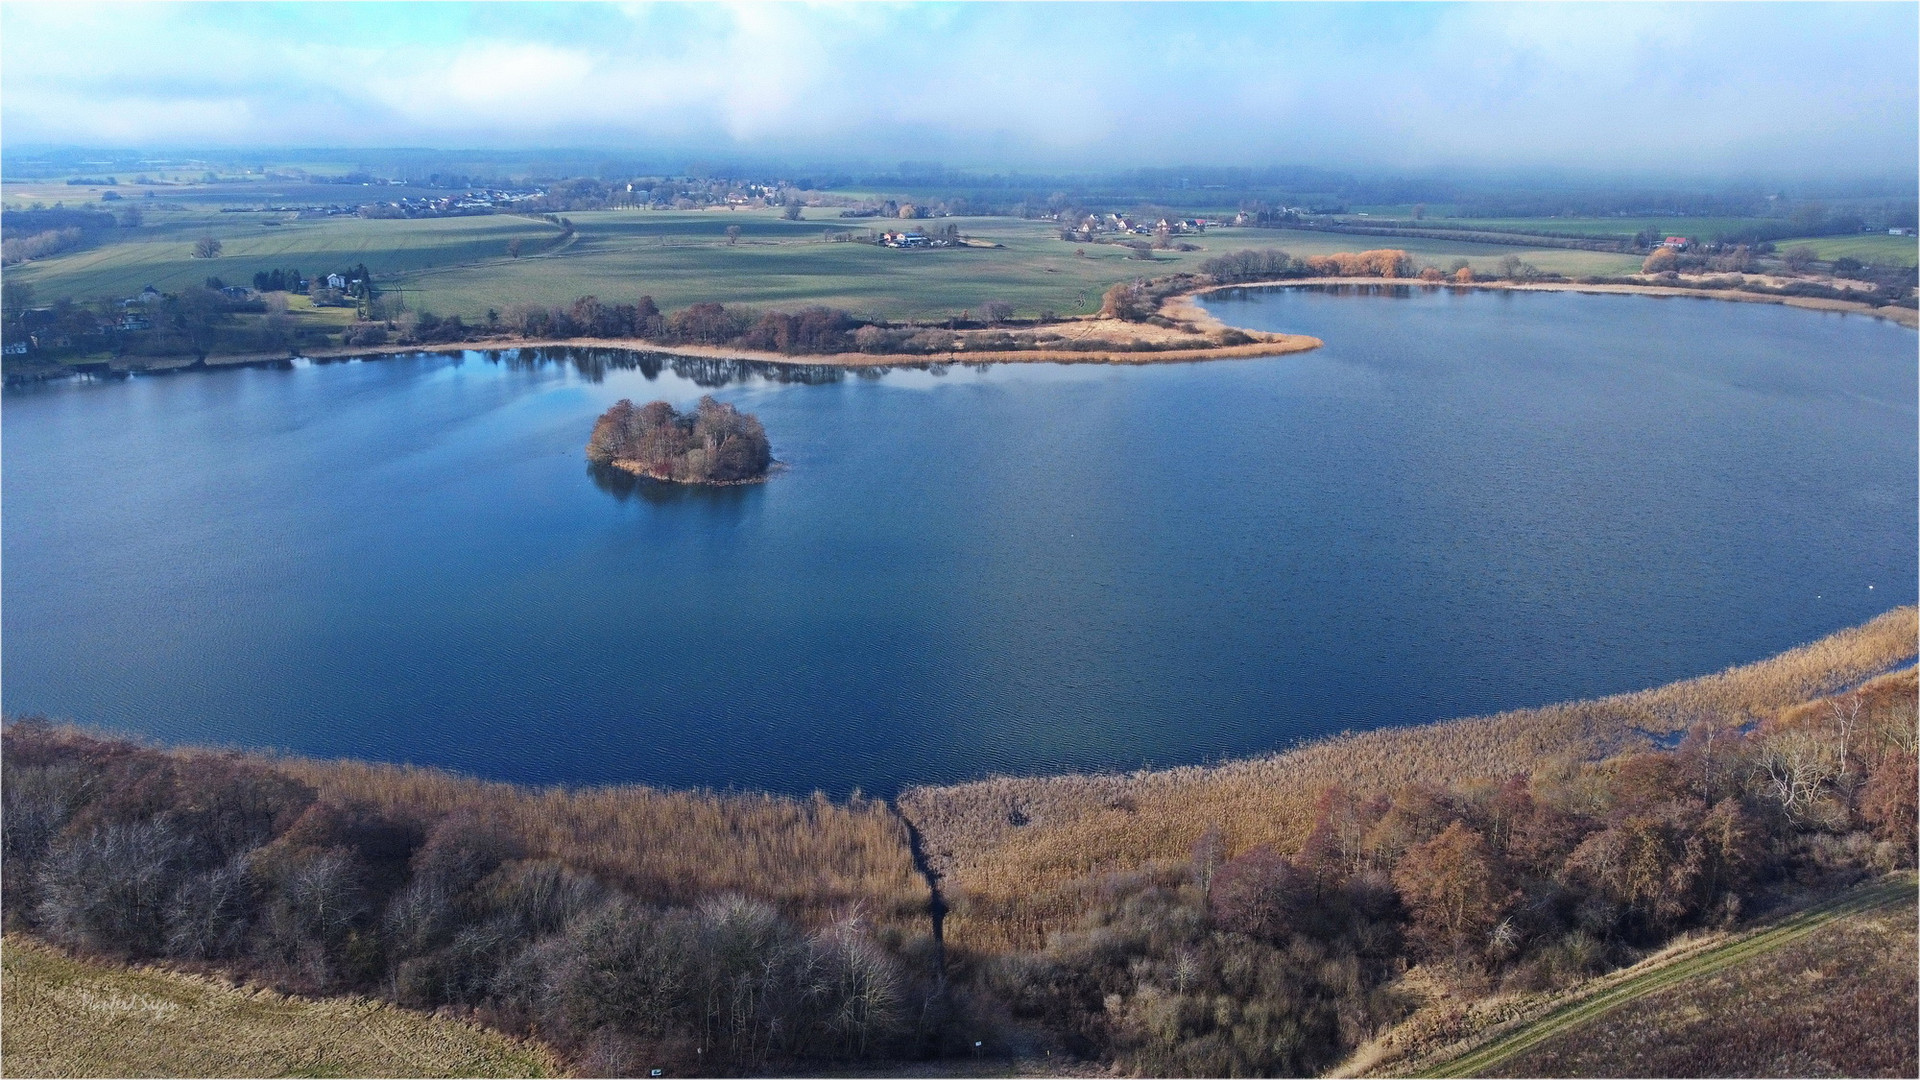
1465,502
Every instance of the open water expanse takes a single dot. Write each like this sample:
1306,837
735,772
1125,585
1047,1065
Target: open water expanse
1464,502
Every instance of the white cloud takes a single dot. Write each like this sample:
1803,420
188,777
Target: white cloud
1718,86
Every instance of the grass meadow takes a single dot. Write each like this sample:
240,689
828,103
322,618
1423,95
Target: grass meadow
1873,249
1600,228
72,1017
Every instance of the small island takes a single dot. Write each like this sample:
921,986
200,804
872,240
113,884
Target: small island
713,444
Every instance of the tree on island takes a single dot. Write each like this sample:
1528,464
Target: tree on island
713,444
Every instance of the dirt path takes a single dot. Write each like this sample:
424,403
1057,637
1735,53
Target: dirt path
1665,973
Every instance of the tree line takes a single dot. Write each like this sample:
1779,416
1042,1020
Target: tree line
31,234
1273,264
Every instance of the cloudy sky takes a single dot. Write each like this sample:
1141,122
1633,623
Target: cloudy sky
1712,88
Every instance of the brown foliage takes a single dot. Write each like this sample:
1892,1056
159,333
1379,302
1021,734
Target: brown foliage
812,858
1454,890
1887,802
1382,262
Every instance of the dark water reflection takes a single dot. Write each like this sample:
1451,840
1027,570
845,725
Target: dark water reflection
1465,502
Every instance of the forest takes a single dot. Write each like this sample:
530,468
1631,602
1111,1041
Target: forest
713,444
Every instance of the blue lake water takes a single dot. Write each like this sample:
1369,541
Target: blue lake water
1464,502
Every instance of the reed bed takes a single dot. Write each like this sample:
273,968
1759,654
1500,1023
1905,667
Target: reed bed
816,859
1018,857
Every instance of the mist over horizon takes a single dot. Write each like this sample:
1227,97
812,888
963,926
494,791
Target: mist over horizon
1730,95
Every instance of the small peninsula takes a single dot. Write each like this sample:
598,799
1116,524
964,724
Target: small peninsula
713,444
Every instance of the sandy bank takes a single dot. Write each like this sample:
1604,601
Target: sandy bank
1165,346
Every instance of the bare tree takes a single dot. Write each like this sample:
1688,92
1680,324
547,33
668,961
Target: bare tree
1846,718
207,247
1794,768
733,235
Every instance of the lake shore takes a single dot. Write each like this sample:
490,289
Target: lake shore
1102,331
1185,306
1109,340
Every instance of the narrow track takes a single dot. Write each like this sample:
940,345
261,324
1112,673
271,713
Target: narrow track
1884,893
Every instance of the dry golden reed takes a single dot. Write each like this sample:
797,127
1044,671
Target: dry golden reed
1017,855
816,859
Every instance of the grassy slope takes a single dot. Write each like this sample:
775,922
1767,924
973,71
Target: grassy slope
460,265
1012,884
68,1017
1827,991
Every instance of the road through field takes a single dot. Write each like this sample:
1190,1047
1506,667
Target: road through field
1885,893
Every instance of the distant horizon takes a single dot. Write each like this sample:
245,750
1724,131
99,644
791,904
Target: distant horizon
609,159
1646,93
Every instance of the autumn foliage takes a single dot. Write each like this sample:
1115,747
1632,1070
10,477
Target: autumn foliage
1273,265
714,444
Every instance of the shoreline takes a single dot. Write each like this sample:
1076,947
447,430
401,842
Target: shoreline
635,468
1184,307
1907,317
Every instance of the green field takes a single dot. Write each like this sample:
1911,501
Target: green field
460,265
68,1017
1621,228
1573,263
1606,227
159,252
1873,249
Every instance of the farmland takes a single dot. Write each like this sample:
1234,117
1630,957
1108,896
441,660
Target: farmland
159,252
462,266
69,1017
1871,249
1599,228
